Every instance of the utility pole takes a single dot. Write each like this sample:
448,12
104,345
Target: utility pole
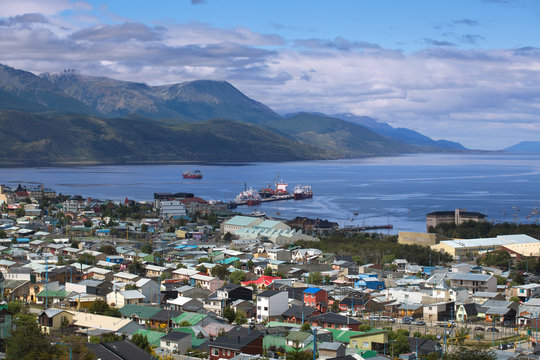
46,282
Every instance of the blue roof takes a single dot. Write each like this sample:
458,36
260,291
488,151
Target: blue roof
312,290
229,260
23,240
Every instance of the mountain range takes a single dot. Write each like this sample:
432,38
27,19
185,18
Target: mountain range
69,117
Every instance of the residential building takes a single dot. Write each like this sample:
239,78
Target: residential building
176,341
316,298
53,319
226,347
271,304
121,298
474,282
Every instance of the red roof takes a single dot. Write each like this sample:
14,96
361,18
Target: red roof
265,280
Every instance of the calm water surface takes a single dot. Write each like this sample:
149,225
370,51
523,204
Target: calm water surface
397,190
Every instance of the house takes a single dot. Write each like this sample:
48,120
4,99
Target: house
149,288
118,350
176,341
208,282
317,298
53,319
121,298
474,282
468,311
438,311
233,292
369,282
164,319
370,340
329,350
140,314
525,292
299,338
331,320
262,282
298,314
271,304
356,304
226,347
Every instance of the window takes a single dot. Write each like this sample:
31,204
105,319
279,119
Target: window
366,344
266,308
258,308
168,343
228,353
215,352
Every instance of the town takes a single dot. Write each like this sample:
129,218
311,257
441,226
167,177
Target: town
179,277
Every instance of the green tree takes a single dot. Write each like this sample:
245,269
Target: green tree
144,228
517,277
142,342
201,268
237,276
184,323
28,343
105,338
298,354
19,212
306,327
107,249
3,234
315,278
131,287
400,345
212,219
147,248
268,271
240,318
87,223
136,267
229,314
220,271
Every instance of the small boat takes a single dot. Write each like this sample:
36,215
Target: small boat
188,174
355,213
256,213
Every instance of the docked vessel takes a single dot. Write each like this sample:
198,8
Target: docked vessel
256,213
279,189
248,197
188,174
302,192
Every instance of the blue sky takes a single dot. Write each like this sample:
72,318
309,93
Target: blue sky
467,71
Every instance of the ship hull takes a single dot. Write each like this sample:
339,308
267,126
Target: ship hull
302,196
192,177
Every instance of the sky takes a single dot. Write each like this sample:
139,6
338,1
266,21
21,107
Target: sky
461,70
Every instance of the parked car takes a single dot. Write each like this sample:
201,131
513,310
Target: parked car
407,320
479,328
492,329
388,319
419,322
374,317
502,347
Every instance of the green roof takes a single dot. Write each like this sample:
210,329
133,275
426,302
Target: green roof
298,336
192,318
142,312
240,220
152,336
280,341
149,258
195,343
53,293
185,329
344,336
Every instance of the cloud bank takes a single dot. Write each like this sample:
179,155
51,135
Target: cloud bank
482,98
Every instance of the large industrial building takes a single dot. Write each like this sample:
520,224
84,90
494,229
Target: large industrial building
473,247
457,217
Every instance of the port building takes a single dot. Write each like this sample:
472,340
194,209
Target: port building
457,217
473,247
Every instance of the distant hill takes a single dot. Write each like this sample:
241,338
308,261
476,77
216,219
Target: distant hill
22,90
343,137
402,134
72,117
51,139
525,147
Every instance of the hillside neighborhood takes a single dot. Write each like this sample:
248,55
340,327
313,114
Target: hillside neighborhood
180,277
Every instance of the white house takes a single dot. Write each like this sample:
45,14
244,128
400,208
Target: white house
271,303
121,298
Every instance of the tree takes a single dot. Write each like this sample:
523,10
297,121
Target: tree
87,223
28,343
315,278
201,268
131,287
105,338
514,298
305,327
229,314
220,271
268,271
144,228
142,342
298,354
517,277
101,307
401,345
136,267
237,276
240,318
147,248
184,323
470,353
107,249
3,234
20,212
